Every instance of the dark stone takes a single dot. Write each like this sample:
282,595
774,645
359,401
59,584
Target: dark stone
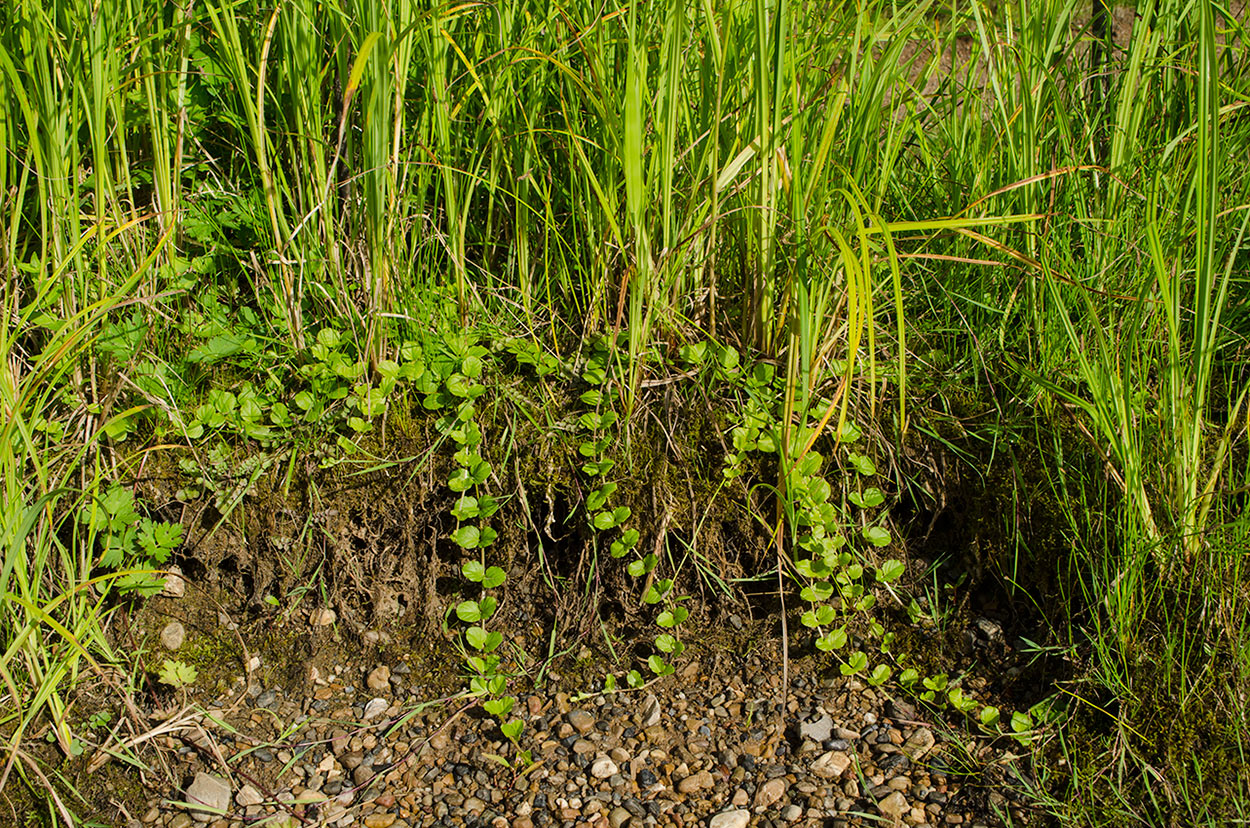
646,778
893,762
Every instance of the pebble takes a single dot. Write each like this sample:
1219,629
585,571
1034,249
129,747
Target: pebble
379,678
175,586
919,743
604,768
582,721
736,818
375,708
818,730
893,806
771,792
208,797
831,765
696,782
322,617
649,711
173,635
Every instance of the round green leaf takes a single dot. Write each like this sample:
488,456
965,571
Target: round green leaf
466,537
473,570
493,577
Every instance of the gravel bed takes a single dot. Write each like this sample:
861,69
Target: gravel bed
710,746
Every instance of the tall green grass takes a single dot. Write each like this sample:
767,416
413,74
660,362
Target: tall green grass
826,184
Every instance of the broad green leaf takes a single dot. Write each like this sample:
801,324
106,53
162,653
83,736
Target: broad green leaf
512,729
876,535
477,637
466,508
890,571
460,480
499,707
862,464
466,537
989,716
474,571
818,591
469,612
493,577
868,498
856,663
596,499
880,675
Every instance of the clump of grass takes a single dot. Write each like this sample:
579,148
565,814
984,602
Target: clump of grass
806,184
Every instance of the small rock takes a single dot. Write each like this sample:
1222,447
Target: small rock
893,806
990,629
791,812
180,820
474,805
818,730
603,768
831,765
175,586
696,782
375,708
649,711
770,792
248,795
173,635
208,796
918,743
736,818
380,678
379,820
583,721
226,622
735,621
618,817
323,617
